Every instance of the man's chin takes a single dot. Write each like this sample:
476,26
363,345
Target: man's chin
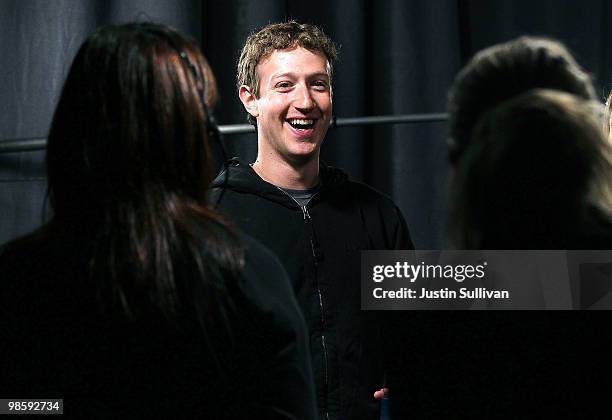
303,157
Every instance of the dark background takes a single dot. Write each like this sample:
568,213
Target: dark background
397,57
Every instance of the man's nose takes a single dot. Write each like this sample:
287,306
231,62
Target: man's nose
304,98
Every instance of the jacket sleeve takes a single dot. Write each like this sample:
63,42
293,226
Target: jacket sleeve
287,390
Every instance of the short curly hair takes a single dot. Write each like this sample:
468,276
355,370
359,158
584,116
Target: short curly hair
280,36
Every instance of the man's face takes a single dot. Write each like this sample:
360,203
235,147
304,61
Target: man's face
294,106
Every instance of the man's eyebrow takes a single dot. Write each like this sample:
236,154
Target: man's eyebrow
322,74
291,74
286,74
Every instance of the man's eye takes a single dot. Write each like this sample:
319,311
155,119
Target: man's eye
283,85
320,84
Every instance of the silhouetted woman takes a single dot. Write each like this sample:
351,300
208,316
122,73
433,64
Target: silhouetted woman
137,299
530,173
503,71
536,175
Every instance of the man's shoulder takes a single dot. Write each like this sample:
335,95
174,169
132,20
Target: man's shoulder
383,218
369,193
340,182
357,193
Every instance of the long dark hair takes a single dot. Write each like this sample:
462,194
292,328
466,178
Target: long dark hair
129,169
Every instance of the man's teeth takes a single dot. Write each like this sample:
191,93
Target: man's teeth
301,121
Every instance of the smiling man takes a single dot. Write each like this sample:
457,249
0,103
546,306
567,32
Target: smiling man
292,106
310,214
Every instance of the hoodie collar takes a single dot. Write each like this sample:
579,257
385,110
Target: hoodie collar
240,177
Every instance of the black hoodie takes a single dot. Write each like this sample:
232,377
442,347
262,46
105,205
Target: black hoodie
319,246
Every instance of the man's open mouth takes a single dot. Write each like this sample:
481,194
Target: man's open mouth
301,123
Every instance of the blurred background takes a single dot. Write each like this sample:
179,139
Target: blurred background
396,57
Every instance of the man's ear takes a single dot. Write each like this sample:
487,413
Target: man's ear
248,100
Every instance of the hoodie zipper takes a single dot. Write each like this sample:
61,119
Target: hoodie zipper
315,255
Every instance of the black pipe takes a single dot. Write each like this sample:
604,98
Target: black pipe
30,144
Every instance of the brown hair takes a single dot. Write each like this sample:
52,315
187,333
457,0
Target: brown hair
535,173
129,168
280,36
505,70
